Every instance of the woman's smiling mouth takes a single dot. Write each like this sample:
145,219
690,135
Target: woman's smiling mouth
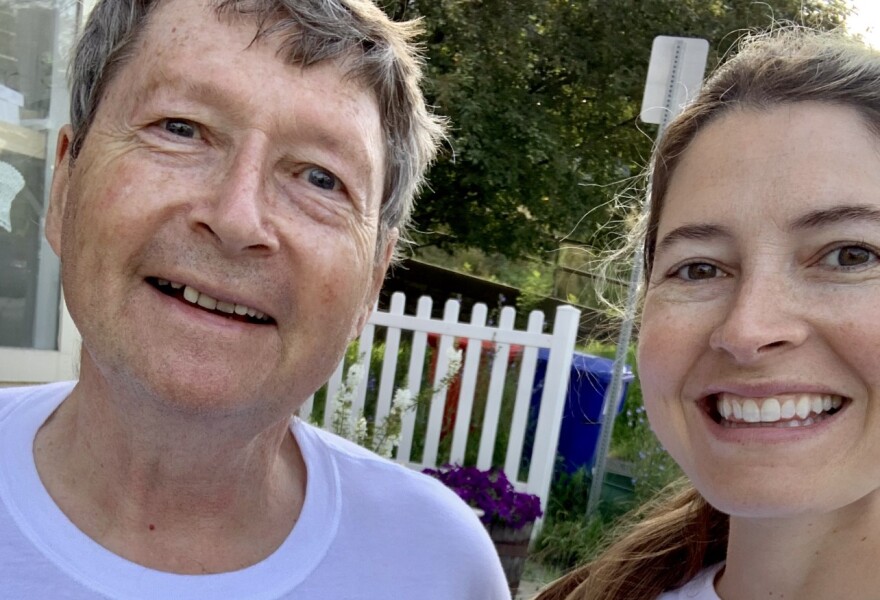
781,411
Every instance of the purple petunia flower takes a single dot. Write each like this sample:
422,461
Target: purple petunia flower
491,492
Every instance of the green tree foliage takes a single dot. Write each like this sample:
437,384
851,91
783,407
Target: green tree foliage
543,97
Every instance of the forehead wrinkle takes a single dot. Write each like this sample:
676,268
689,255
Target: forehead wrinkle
207,86
163,81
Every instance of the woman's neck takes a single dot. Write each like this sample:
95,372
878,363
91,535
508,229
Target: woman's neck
810,557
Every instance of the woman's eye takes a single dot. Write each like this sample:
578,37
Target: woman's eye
180,128
698,271
849,256
322,179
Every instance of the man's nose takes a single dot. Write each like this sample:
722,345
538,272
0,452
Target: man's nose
234,212
762,319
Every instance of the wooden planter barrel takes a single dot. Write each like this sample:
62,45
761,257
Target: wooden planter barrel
512,546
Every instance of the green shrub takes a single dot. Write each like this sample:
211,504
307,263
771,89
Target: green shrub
567,543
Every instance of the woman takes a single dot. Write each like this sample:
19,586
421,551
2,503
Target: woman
759,344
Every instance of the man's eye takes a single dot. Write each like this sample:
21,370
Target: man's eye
180,128
698,271
322,179
849,256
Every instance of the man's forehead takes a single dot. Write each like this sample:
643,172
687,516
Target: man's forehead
173,22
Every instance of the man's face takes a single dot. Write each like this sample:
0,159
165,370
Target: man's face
253,184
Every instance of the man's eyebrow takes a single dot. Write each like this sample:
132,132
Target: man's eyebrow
837,214
702,231
207,92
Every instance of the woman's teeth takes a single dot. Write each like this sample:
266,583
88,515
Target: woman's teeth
790,410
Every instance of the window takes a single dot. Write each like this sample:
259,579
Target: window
35,41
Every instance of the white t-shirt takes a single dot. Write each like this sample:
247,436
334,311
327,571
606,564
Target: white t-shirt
701,587
369,529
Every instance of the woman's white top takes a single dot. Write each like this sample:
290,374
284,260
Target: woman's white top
701,587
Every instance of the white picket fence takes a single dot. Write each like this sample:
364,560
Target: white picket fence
560,344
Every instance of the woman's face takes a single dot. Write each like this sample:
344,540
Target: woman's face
759,349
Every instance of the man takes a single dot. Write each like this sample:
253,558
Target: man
225,204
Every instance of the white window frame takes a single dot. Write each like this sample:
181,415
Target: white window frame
27,365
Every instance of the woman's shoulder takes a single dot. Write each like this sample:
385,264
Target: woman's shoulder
701,587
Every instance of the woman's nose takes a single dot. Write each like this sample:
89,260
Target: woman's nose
763,318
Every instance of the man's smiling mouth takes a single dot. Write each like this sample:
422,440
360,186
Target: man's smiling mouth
784,410
192,296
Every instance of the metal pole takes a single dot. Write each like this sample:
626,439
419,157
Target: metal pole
614,393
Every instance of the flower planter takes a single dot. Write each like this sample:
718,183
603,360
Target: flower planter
512,546
507,514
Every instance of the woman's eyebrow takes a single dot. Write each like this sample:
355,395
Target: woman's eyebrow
702,231
836,214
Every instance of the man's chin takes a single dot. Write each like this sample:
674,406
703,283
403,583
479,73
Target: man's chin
194,390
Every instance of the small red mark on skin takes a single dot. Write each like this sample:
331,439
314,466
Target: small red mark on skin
152,527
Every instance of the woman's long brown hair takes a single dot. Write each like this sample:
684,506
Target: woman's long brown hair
678,535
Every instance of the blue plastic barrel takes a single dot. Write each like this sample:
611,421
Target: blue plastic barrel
581,418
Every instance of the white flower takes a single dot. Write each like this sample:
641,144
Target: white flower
360,430
402,399
355,373
343,396
388,443
385,448
341,423
453,355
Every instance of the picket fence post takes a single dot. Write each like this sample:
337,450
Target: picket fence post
543,460
495,343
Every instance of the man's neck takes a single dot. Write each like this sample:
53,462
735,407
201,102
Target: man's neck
173,493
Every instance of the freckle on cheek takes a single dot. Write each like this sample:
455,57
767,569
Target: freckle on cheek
327,296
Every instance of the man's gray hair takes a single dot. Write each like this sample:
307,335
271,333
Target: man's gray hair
378,51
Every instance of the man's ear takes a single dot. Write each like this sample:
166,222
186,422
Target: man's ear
379,271
58,191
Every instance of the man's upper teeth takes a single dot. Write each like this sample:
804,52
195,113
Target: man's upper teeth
206,301
194,296
773,409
